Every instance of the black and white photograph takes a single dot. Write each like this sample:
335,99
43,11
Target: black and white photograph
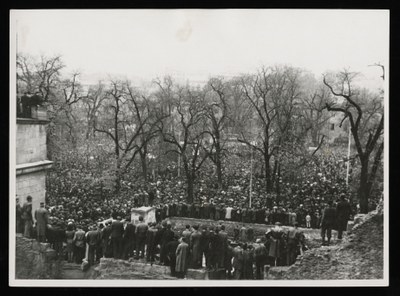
198,147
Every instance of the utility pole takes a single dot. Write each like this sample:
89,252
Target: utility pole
251,176
348,157
179,157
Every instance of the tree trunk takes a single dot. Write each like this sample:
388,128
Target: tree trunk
363,194
190,189
219,172
144,163
278,187
268,179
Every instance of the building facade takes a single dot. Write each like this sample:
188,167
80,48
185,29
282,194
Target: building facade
31,162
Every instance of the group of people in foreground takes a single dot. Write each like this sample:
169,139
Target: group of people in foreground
208,245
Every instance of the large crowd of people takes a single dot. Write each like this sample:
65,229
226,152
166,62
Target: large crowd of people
71,196
242,256
317,197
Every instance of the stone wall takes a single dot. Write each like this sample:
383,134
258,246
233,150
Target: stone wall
33,184
31,143
259,229
34,260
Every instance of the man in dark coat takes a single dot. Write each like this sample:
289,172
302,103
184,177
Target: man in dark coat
223,245
195,247
214,249
42,219
343,212
141,233
79,244
170,249
212,211
184,210
93,240
128,240
107,249
228,261
327,222
190,210
99,250
204,244
158,214
248,259
117,232
260,256
197,211
18,216
236,232
151,242
59,237
238,262
187,233
158,239
166,237
27,217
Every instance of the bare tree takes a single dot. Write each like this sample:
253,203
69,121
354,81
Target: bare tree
187,134
129,120
217,112
39,76
272,95
366,123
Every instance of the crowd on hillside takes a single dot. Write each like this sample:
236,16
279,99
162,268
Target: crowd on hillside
302,200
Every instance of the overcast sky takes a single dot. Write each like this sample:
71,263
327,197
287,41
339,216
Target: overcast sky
195,44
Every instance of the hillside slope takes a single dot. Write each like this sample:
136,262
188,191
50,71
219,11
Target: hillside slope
359,256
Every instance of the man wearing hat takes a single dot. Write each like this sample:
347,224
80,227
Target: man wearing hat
128,239
182,258
260,257
170,250
117,231
79,241
141,232
276,244
42,219
18,214
151,242
195,247
293,241
327,222
92,239
27,216
343,212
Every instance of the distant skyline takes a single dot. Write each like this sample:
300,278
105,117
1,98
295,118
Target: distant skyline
196,44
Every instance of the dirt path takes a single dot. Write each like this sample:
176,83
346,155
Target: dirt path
72,271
